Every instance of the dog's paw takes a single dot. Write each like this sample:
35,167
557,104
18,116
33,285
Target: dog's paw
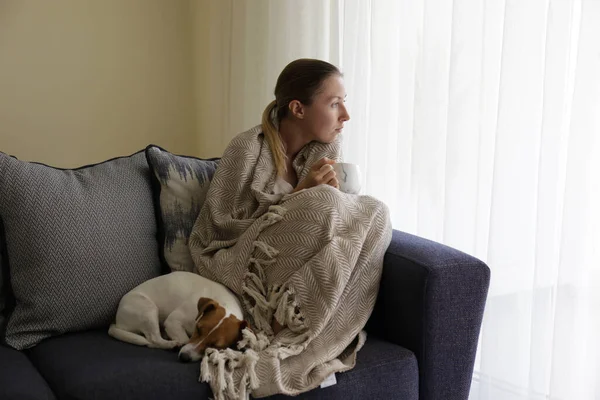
176,344
173,344
164,344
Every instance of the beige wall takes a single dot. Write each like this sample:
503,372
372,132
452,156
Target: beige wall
204,101
212,66
85,80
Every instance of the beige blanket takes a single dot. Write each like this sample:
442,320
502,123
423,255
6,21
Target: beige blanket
310,259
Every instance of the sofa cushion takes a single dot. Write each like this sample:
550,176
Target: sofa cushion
19,380
2,291
179,184
383,371
92,365
77,240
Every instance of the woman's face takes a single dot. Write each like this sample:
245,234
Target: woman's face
324,118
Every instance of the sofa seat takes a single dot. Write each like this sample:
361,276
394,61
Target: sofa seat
92,365
19,380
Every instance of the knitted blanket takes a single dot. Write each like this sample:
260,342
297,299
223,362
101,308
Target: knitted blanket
312,260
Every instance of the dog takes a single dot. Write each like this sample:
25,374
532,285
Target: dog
196,313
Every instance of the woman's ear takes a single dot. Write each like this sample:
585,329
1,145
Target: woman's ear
296,109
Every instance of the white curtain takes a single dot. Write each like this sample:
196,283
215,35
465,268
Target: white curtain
478,123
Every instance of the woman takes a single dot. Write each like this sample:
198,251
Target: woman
308,106
304,257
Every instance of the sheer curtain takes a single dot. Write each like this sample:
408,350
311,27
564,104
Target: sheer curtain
478,123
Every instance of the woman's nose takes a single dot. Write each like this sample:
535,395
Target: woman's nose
345,116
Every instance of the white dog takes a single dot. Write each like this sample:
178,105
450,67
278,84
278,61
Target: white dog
196,313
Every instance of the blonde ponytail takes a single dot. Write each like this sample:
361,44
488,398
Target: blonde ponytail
272,135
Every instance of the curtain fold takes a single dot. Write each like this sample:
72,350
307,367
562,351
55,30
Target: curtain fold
478,123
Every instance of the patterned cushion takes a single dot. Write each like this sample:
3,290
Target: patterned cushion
180,184
77,241
6,298
2,295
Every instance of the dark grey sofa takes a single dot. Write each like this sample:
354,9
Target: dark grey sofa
422,342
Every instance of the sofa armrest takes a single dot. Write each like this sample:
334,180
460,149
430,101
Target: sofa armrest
431,301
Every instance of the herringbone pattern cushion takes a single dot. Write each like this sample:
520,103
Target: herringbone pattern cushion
77,241
2,293
180,184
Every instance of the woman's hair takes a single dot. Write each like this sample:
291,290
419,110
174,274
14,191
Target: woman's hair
300,80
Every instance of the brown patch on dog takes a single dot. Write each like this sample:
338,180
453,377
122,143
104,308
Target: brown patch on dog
208,334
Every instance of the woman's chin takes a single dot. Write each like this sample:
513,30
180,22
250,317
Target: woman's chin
332,137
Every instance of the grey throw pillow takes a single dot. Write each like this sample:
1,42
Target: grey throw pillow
5,295
180,184
2,297
77,241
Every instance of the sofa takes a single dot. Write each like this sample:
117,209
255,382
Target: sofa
73,241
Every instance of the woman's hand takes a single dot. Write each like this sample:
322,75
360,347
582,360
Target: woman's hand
320,173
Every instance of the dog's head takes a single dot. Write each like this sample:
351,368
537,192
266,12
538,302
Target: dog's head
214,328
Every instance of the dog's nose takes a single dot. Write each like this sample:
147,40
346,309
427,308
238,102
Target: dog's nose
184,357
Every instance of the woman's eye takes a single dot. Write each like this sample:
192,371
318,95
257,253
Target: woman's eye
335,104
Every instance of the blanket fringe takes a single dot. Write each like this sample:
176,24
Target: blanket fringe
218,366
263,304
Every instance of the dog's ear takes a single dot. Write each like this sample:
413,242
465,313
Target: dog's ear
244,324
206,305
